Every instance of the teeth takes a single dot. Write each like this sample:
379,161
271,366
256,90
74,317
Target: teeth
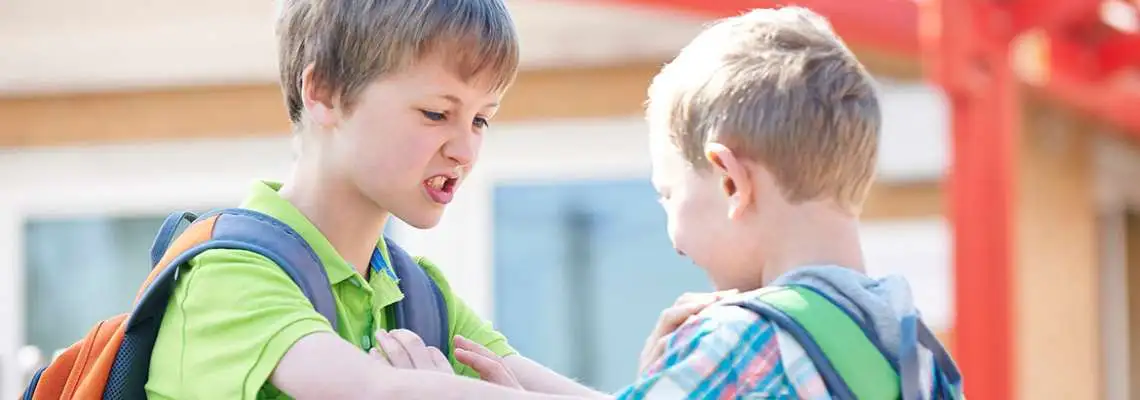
436,182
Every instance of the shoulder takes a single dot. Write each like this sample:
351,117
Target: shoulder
232,316
239,289
720,331
436,274
726,350
457,310
223,269
432,270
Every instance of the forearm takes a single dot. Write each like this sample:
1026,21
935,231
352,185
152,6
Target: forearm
537,378
417,384
324,366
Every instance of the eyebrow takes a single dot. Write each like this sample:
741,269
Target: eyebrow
455,100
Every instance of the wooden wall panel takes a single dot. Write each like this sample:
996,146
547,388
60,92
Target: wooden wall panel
258,110
1057,271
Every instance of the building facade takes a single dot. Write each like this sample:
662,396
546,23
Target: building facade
557,231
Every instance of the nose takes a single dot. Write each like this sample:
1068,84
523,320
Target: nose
462,149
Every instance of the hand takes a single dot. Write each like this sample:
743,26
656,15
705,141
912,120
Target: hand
689,304
488,364
404,349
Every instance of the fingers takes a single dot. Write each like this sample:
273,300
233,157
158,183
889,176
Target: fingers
658,350
481,364
466,344
375,353
439,359
704,298
674,316
396,353
490,370
689,298
687,305
415,348
405,349
486,363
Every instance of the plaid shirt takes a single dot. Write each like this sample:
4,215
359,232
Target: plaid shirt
730,353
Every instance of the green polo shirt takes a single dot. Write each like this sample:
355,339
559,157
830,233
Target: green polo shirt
234,314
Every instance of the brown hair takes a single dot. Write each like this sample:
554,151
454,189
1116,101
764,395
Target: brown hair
353,42
779,87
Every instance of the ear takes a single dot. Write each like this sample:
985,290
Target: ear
735,178
318,100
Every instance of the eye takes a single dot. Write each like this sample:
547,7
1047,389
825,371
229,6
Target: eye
434,116
481,123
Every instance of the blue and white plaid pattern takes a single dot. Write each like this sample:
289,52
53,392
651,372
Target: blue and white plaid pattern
730,353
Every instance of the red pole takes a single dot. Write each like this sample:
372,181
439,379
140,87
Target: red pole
983,186
966,51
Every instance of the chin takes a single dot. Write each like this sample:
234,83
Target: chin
423,219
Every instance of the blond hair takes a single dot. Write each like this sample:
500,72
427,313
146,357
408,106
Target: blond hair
353,42
776,86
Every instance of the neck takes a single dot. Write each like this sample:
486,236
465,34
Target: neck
351,223
814,234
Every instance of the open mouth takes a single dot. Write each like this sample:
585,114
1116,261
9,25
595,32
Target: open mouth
442,183
441,188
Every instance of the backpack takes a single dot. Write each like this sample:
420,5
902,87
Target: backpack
113,360
847,353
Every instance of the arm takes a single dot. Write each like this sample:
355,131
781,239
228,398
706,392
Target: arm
323,366
537,378
466,323
724,352
237,322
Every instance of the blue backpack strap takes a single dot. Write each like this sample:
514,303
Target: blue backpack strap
423,309
235,229
787,307
242,229
948,378
835,384
850,363
166,234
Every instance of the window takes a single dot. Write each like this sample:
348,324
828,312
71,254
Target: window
80,271
581,272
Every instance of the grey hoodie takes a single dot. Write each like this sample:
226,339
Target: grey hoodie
880,304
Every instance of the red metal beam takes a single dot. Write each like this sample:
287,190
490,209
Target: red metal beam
1110,102
1089,68
982,190
1117,52
968,55
886,25
1052,14
894,26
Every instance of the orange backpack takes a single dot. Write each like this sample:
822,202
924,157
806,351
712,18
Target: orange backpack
113,360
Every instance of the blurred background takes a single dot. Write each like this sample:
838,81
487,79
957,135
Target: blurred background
114,113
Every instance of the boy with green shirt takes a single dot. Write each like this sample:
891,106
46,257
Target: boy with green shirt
389,100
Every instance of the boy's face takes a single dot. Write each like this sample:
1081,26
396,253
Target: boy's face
700,218
411,138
